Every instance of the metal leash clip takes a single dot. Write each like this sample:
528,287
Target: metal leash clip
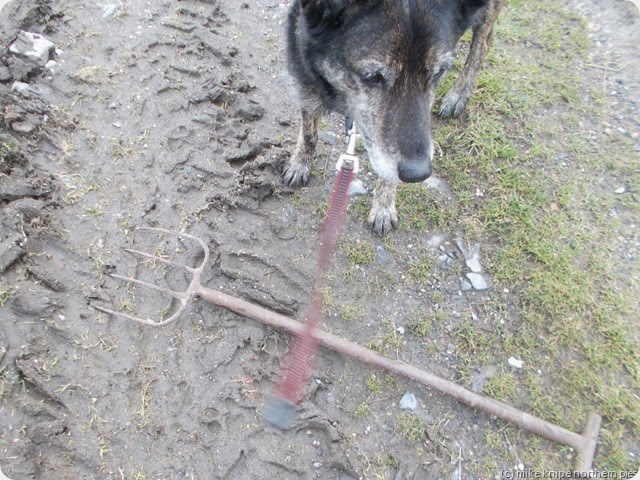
349,160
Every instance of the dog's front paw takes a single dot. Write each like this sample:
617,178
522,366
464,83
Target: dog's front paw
453,104
383,219
296,174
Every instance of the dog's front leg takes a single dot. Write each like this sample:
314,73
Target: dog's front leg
456,99
298,170
383,216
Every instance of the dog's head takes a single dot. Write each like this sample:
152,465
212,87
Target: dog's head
381,60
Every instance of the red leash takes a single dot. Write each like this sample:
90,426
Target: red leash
298,363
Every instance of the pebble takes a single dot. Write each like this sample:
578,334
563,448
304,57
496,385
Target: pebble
408,402
32,47
109,11
442,259
477,281
472,259
22,127
357,188
51,66
23,88
620,190
435,240
514,362
382,256
465,286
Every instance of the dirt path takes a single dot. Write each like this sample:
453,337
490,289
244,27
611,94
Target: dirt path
179,115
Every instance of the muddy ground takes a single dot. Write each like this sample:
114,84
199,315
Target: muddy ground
179,115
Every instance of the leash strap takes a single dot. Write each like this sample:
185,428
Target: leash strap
296,370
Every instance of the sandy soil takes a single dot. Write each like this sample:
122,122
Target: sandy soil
180,115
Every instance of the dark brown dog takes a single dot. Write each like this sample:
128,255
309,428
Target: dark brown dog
379,61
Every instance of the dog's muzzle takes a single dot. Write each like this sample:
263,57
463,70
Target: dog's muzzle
413,171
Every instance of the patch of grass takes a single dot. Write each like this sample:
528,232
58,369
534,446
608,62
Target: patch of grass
502,387
472,341
422,326
359,252
362,410
546,224
411,427
351,312
374,384
5,294
419,271
419,210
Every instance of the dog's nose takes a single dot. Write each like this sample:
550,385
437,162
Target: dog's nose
414,171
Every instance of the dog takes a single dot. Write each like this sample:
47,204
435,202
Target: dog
379,62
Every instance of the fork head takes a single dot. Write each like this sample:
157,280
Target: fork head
182,297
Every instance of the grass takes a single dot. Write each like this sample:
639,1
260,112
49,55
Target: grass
546,235
548,242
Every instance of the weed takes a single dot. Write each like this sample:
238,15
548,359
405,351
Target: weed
5,295
421,326
359,252
374,384
502,387
362,410
410,426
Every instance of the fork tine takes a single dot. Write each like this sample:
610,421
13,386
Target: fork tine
141,320
179,295
158,259
198,240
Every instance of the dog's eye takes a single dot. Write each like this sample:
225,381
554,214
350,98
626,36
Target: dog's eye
372,79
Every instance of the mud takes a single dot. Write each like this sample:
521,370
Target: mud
180,115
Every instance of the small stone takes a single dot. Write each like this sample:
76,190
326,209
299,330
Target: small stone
408,402
472,259
23,88
434,241
109,11
620,190
357,188
51,66
22,127
32,47
400,330
382,256
514,362
442,259
477,281
465,286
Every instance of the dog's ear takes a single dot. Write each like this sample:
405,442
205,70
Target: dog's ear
322,15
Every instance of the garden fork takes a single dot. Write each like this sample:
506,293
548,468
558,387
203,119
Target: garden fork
584,444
